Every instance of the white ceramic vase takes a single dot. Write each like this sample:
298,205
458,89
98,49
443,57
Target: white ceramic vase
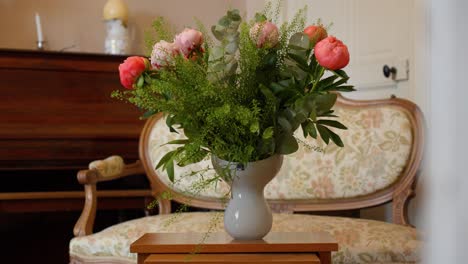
247,215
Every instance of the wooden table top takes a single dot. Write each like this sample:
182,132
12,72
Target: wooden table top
217,243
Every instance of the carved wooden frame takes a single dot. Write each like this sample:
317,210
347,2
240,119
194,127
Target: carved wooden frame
399,192
89,178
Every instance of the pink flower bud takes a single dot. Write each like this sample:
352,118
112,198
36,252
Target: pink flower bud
131,69
331,53
264,34
163,54
188,41
315,33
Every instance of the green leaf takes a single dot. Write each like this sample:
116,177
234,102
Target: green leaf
299,40
141,81
332,86
300,61
325,102
313,63
147,78
311,130
284,123
170,169
268,133
276,88
254,127
332,123
323,131
259,17
169,123
344,88
168,156
327,81
287,144
313,114
199,156
335,138
148,114
178,141
304,131
341,74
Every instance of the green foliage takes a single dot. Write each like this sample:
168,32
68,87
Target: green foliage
160,30
242,103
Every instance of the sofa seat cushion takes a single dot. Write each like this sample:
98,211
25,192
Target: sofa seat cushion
360,240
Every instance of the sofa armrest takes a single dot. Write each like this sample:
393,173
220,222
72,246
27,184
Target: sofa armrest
101,170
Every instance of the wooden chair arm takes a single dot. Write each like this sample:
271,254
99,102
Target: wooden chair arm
102,170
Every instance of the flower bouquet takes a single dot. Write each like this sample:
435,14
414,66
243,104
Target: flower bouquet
241,96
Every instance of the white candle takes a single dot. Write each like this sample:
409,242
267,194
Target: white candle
39,28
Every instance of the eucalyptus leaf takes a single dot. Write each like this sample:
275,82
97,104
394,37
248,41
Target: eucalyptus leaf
287,144
231,47
299,59
285,125
299,40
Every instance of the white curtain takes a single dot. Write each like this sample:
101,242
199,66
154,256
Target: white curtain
446,199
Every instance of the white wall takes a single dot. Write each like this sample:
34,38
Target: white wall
79,23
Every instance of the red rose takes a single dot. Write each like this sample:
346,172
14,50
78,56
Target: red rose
131,69
315,33
331,53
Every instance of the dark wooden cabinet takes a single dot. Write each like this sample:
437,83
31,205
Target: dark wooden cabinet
57,115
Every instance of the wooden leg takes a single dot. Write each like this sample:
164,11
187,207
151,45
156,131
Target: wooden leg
325,257
141,258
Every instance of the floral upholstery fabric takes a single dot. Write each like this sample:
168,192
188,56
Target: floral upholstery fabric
377,148
360,241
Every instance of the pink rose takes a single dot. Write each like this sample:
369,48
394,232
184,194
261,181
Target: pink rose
331,53
188,41
163,54
264,34
315,33
131,69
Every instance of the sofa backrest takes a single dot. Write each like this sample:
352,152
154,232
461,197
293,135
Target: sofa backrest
379,163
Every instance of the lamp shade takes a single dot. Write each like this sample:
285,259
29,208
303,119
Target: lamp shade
115,9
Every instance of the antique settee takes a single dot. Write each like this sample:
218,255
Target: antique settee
379,164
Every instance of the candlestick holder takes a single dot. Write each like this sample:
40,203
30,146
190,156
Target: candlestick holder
40,45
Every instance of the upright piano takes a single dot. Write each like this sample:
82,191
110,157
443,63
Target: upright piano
56,116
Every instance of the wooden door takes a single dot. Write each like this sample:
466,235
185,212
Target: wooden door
377,33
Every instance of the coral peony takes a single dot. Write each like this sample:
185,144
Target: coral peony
331,53
264,34
315,33
188,41
163,54
131,69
